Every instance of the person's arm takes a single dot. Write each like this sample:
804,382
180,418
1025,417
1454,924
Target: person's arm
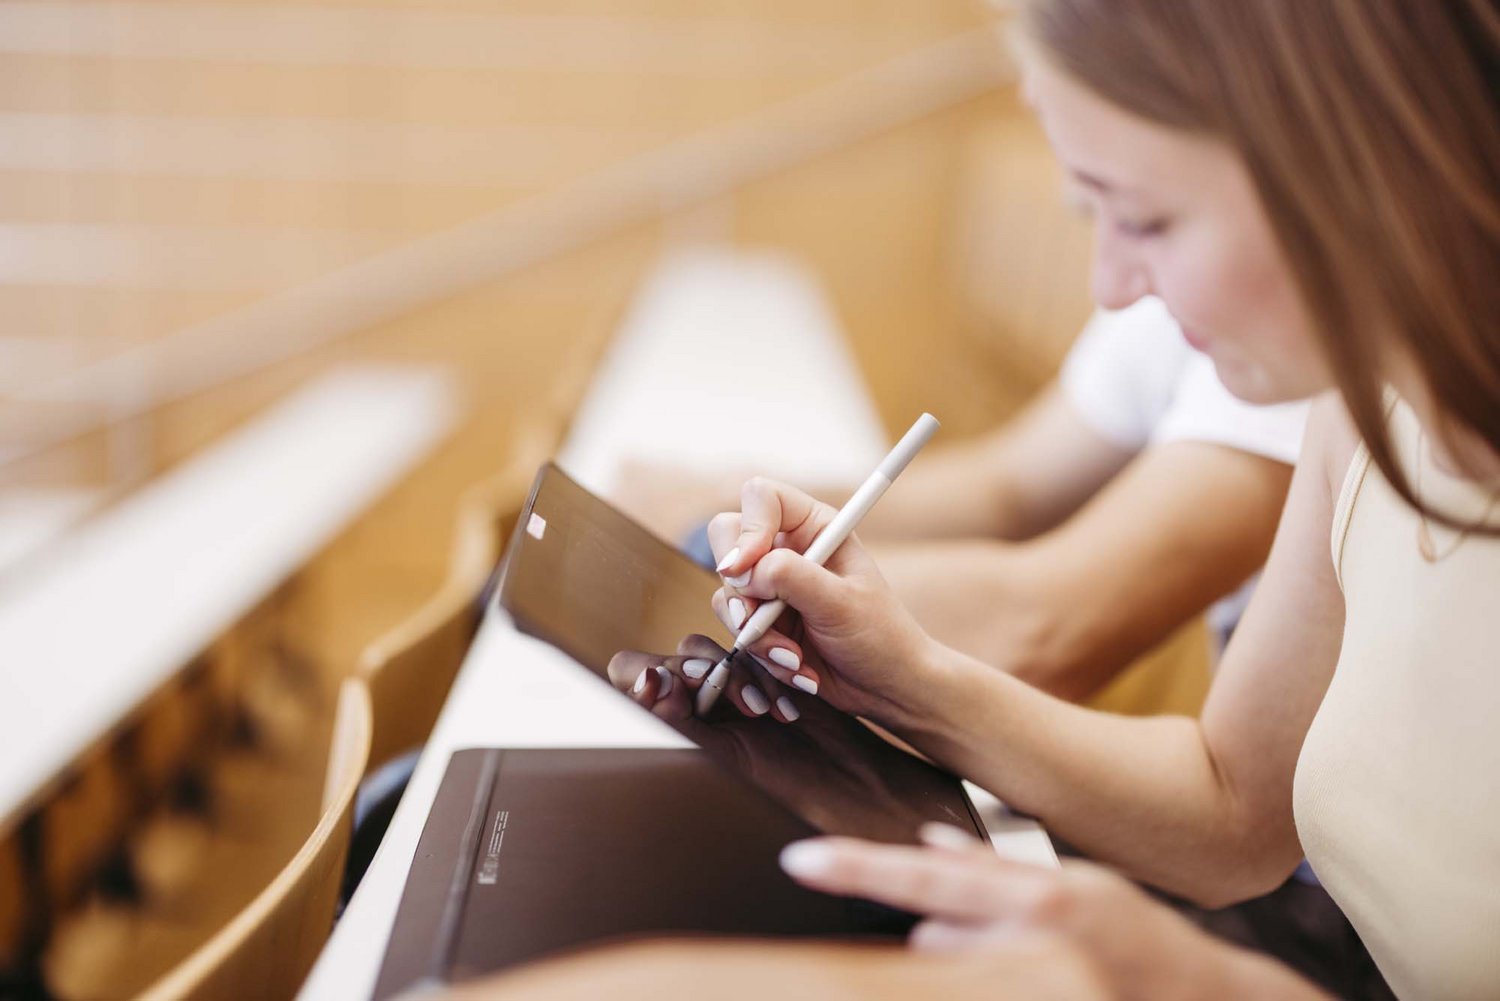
1201,808
1013,482
1043,970
1032,956
1183,525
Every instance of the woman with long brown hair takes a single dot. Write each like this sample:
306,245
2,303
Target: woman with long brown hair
1313,188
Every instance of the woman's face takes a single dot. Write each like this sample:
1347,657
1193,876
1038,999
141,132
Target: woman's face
1176,216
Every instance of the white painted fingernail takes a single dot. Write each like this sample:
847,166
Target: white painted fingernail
640,684
784,657
696,668
739,581
663,683
730,558
808,685
807,859
788,708
736,613
940,835
755,700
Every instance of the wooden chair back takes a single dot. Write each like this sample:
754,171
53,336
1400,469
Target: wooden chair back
267,949
410,669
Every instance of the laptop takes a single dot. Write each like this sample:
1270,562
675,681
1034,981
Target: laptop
528,852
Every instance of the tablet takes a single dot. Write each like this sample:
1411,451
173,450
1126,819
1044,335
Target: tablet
530,851
587,579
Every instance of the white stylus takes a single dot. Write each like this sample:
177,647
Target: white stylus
827,541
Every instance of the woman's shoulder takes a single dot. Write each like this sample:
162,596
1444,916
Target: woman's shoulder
1337,455
1332,441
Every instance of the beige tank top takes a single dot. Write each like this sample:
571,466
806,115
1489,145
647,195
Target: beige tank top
1397,792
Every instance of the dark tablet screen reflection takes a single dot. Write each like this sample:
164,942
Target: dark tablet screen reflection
588,580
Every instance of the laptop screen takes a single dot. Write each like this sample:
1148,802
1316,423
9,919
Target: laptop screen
585,578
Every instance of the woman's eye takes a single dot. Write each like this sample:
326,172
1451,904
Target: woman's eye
1140,230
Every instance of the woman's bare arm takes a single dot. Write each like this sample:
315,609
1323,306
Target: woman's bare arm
1198,807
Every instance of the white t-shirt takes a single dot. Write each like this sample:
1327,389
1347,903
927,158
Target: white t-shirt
1135,380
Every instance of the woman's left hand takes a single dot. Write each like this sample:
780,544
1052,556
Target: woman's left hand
970,899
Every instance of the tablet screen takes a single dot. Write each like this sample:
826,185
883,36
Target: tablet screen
585,578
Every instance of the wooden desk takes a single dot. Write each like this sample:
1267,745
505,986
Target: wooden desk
662,391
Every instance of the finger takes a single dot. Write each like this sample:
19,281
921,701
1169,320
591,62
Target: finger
723,530
765,696
626,666
946,837
696,657
945,885
748,693
733,609
674,699
769,508
783,707
698,645
935,935
723,534
753,692
775,651
728,532
816,592
781,658
661,691
652,684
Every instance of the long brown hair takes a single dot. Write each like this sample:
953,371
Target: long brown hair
1370,130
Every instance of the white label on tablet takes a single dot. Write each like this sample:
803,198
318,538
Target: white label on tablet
537,526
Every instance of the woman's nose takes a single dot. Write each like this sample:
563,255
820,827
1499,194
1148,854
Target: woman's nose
1118,277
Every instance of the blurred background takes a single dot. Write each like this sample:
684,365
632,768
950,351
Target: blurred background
296,296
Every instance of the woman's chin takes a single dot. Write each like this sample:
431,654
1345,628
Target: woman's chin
1253,384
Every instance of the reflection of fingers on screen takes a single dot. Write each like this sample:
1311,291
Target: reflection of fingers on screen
599,587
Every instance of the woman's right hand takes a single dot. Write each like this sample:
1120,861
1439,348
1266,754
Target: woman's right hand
845,629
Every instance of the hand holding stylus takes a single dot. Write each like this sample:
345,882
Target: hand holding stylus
766,506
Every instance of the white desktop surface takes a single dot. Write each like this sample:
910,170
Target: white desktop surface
660,393
133,595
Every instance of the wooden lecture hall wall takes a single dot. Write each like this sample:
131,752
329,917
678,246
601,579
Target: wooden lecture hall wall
879,142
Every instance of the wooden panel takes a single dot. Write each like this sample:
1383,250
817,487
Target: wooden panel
1172,678
84,825
175,734
14,895
129,136
1021,257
